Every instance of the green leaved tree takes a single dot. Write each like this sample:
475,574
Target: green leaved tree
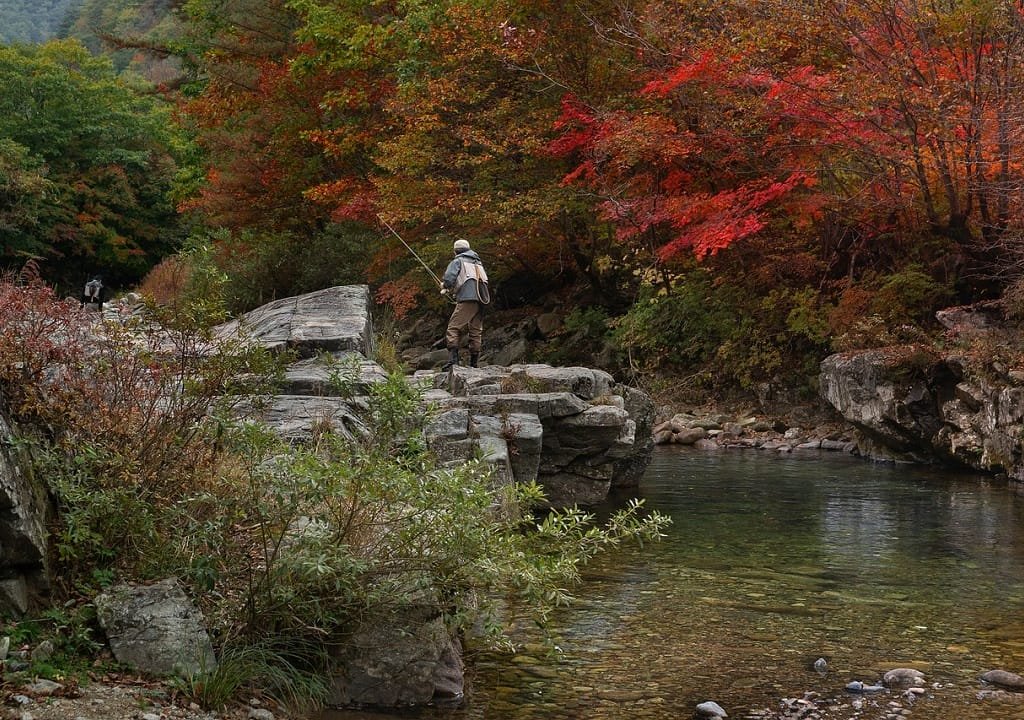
86,165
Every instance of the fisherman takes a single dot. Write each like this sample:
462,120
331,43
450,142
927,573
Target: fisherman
466,281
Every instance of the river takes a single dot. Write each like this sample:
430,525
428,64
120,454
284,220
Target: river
772,562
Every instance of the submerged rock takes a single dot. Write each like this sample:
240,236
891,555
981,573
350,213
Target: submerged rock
903,677
1003,678
857,686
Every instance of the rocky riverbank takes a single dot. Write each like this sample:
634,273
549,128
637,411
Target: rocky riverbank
715,429
111,697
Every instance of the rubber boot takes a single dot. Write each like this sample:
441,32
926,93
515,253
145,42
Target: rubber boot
474,358
453,359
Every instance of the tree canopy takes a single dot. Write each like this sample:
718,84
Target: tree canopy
617,150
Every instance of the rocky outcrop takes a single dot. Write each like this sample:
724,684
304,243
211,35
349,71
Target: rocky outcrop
913,403
575,431
24,513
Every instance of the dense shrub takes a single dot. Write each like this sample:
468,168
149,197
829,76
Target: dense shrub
263,266
122,416
681,328
722,337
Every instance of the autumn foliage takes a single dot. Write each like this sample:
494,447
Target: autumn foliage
603,153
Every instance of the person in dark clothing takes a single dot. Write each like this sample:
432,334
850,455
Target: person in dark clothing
94,292
466,281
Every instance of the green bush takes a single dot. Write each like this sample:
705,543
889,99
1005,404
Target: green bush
909,296
682,328
121,419
722,337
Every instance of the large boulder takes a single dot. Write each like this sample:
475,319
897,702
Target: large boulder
155,629
407,659
335,319
891,396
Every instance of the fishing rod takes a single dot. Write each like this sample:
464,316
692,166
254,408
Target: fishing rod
407,247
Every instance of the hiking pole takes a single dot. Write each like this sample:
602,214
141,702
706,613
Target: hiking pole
407,247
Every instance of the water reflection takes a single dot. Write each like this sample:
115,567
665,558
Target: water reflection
771,563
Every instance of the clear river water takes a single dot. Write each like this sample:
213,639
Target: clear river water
774,561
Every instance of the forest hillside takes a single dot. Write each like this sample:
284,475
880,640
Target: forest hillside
33,21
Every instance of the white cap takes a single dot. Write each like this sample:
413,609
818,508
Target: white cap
461,245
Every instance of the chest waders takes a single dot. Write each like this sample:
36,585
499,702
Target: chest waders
468,314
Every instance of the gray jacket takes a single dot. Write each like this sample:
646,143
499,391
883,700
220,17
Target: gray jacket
469,290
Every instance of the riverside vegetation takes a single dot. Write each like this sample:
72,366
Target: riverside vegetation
129,424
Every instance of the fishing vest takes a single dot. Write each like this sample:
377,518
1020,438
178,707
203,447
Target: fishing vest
470,270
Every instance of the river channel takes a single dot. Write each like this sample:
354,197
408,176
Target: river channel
772,562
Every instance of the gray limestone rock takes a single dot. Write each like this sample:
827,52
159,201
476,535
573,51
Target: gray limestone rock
911,403
298,417
24,514
335,319
710,709
903,677
400,660
1004,678
155,629
630,467
689,436
573,425
523,435
339,374
543,405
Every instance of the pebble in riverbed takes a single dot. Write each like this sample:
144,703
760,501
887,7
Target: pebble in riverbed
719,431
